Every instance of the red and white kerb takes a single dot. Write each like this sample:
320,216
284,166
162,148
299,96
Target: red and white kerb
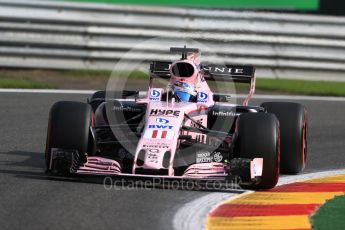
159,134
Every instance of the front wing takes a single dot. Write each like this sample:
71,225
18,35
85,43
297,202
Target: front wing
68,162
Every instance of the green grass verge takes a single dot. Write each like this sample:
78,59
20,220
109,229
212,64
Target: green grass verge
330,215
12,79
85,73
296,87
23,84
255,4
314,88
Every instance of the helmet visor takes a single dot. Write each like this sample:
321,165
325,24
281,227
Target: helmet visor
183,96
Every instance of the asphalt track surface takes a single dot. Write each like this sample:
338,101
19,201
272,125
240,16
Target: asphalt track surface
30,200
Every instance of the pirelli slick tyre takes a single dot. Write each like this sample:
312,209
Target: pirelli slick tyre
293,130
98,95
258,137
68,128
96,99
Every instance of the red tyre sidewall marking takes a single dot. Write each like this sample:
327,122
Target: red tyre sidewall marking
48,144
304,136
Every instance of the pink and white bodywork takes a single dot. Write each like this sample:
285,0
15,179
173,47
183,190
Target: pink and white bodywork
161,136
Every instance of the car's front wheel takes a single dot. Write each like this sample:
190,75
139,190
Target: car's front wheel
68,128
293,129
258,137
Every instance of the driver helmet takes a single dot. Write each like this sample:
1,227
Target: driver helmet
184,92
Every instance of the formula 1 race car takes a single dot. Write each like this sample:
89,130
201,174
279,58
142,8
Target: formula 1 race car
183,130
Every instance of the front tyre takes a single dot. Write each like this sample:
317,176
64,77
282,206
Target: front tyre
258,137
293,130
68,129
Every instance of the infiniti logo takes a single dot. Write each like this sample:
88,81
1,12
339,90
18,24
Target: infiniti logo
225,114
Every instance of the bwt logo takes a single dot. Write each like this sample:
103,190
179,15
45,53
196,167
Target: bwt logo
202,97
155,93
162,121
160,126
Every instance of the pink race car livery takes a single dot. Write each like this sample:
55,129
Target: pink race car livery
181,130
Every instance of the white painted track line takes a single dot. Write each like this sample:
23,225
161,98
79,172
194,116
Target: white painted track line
284,179
193,214
298,97
47,91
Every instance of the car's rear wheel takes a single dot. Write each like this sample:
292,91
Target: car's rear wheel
293,130
97,98
68,128
258,137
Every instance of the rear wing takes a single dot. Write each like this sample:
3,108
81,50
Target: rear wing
160,69
235,73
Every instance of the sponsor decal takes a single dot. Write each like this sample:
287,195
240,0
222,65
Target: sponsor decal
156,146
202,167
195,124
225,114
155,94
217,156
159,134
160,126
105,163
207,157
126,109
162,121
225,70
203,157
164,112
202,97
152,155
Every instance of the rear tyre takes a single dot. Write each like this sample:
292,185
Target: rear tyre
258,137
293,130
99,97
96,99
68,128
